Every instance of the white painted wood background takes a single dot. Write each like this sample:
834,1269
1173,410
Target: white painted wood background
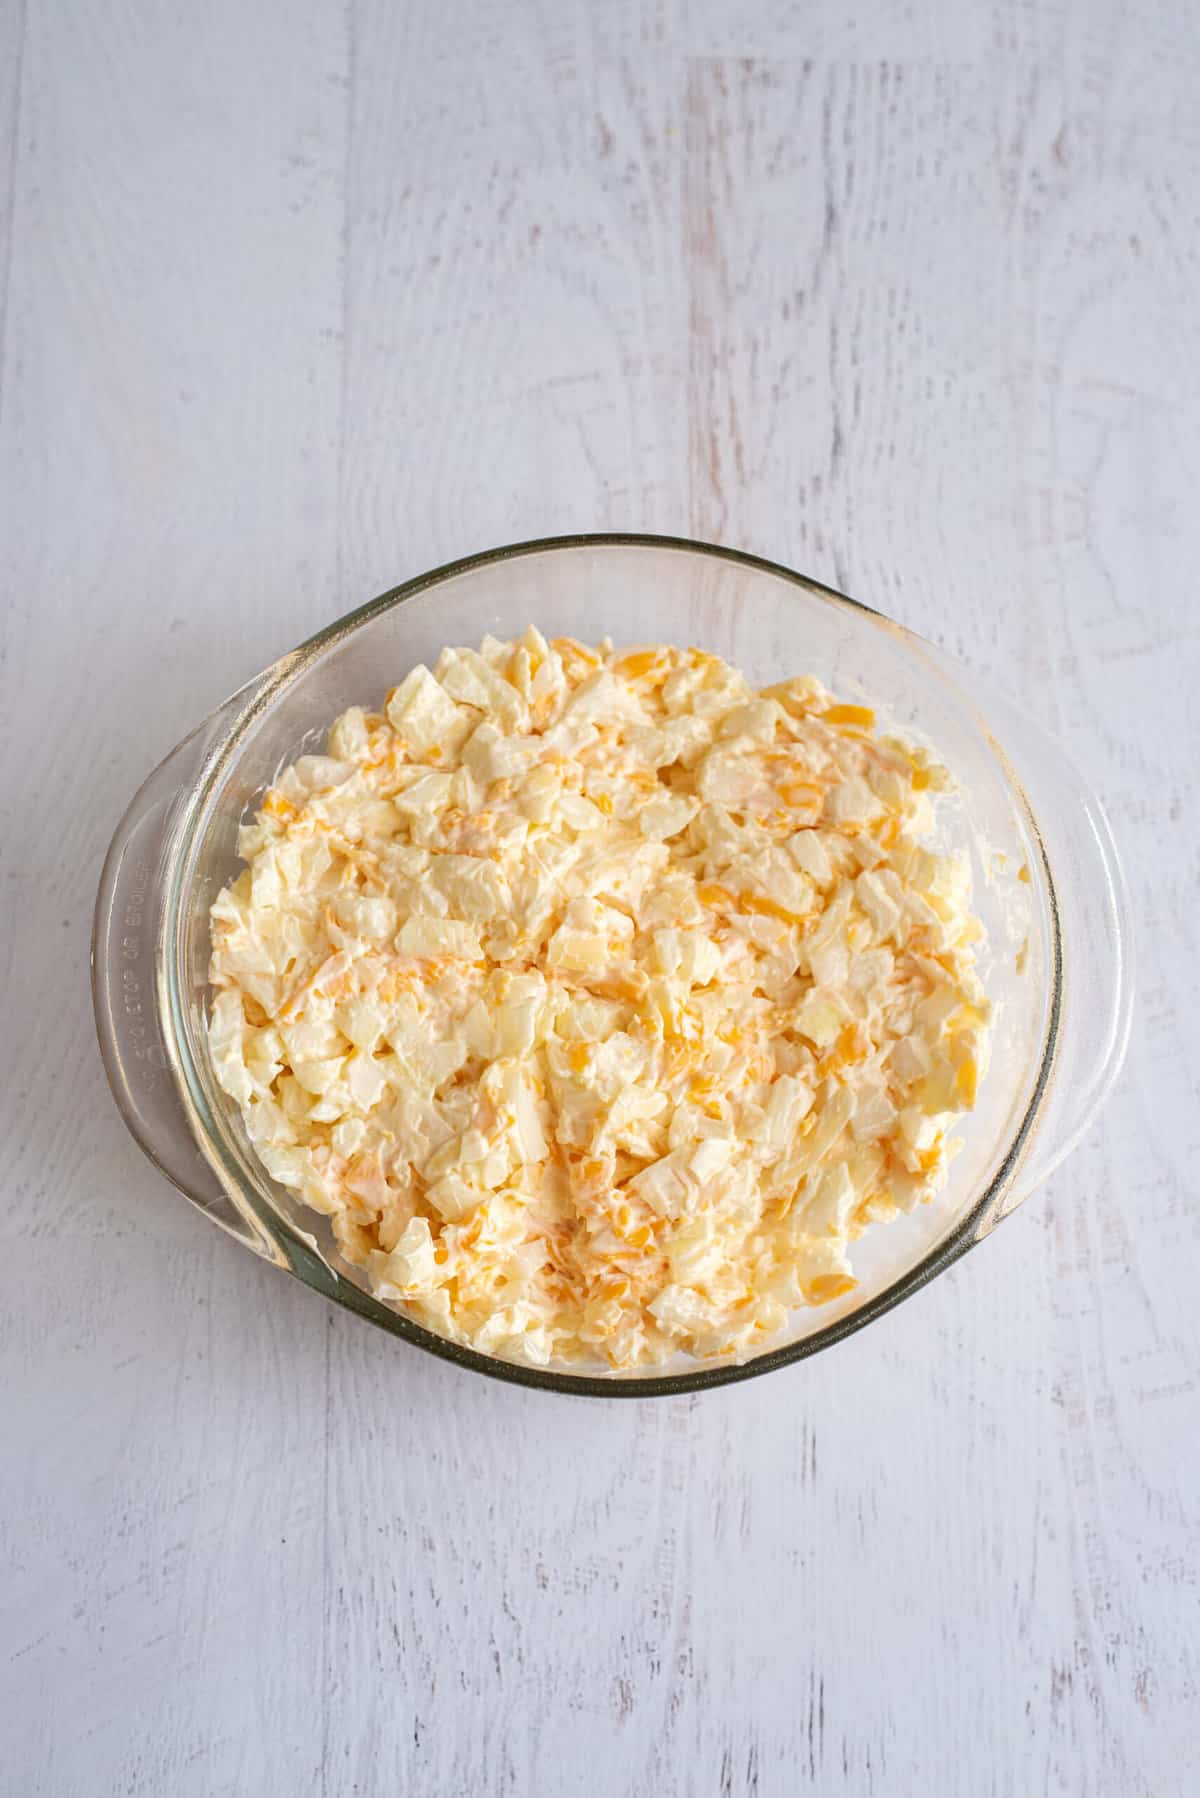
298,299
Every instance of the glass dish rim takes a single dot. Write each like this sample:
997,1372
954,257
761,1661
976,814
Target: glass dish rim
292,1247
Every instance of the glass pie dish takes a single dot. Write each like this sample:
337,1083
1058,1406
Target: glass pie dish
1047,885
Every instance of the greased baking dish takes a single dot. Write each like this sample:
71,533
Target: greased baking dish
1047,880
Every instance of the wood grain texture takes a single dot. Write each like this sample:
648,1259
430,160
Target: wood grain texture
297,301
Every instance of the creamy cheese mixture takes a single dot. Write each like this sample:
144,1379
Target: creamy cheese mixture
599,1000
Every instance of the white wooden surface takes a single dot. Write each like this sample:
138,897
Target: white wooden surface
298,299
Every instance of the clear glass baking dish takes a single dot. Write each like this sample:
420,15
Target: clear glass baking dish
1048,887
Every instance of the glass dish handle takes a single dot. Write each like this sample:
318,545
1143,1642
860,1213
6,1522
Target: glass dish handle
124,986
1097,936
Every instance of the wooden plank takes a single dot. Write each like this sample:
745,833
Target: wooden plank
168,456
516,327
162,1495
168,466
